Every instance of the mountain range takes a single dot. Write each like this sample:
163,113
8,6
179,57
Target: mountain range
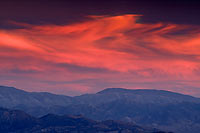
160,109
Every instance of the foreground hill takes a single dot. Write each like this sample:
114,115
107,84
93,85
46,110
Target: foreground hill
153,108
16,121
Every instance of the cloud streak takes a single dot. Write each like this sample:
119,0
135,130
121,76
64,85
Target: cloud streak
108,49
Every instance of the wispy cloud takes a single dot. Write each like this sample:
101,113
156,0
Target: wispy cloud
117,49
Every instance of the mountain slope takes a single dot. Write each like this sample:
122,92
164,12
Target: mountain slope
139,96
161,109
12,120
37,103
16,121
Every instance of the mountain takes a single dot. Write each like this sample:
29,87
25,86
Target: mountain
12,120
36,103
10,96
138,96
16,121
161,109
153,108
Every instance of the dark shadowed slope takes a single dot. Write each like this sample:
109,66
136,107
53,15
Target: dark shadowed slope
13,120
16,121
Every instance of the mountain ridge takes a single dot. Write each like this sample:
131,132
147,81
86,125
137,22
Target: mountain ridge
119,90
106,90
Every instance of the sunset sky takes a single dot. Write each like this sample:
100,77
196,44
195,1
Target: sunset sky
76,47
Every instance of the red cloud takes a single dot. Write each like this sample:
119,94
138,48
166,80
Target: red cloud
114,45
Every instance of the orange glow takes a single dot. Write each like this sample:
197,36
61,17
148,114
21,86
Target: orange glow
118,44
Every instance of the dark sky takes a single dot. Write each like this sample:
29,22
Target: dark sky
68,11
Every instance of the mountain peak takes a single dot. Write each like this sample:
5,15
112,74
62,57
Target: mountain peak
111,90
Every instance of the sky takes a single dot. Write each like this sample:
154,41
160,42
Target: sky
76,47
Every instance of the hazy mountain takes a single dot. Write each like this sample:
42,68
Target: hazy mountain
36,103
157,108
11,97
16,121
138,96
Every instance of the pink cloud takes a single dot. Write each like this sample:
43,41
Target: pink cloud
117,49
